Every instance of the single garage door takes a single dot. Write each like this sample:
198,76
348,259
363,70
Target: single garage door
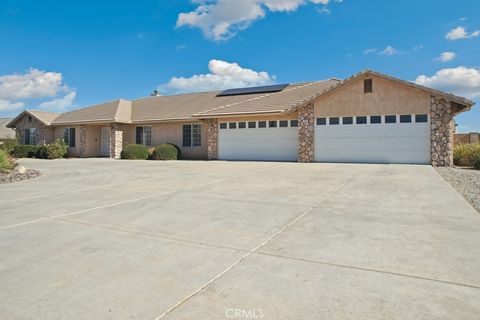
258,140
373,139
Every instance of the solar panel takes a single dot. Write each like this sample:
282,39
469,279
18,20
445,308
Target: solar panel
251,90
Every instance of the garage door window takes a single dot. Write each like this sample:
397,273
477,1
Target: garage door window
405,118
262,124
390,119
293,123
272,124
361,120
421,118
242,125
223,125
375,119
283,123
321,121
334,121
347,120
192,135
232,125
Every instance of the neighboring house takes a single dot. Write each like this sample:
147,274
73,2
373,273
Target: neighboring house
5,132
369,117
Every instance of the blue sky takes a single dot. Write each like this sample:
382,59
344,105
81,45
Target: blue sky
61,55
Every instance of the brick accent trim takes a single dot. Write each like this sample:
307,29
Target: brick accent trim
306,133
212,139
441,131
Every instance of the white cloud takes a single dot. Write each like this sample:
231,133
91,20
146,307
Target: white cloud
461,33
369,50
17,88
222,19
59,104
461,81
389,51
223,75
446,56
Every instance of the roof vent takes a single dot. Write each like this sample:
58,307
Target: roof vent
155,93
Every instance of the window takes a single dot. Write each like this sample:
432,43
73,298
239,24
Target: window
390,119
367,86
29,118
272,124
334,120
321,121
293,123
252,124
223,125
347,120
232,125
242,125
361,120
283,123
30,136
405,118
143,135
421,118
69,137
375,119
262,124
192,135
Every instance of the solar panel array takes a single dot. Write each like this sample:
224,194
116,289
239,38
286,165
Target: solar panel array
252,90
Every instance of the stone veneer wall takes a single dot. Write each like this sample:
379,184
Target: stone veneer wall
441,133
212,139
83,140
306,133
116,140
43,135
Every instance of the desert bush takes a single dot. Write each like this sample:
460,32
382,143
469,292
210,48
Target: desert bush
6,162
8,145
25,151
135,152
465,154
56,150
166,151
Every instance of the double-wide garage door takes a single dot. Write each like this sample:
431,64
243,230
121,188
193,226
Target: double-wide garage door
368,139
258,140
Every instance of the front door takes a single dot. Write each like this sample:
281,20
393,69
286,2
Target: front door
105,142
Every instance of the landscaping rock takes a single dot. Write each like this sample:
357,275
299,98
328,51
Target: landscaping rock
17,176
465,181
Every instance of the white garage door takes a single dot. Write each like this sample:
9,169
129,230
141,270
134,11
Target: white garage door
258,140
373,139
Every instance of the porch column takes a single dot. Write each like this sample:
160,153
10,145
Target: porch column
306,133
441,131
212,139
116,140
83,140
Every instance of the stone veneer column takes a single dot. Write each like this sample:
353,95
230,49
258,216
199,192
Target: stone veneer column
306,133
116,140
83,140
441,133
212,139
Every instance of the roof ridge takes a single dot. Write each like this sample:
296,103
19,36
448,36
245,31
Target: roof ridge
259,97
115,115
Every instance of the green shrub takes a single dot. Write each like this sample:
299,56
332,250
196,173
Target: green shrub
25,151
41,152
6,162
8,145
135,152
166,151
465,154
476,160
56,150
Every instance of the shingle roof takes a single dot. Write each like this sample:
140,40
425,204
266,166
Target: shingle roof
5,132
44,116
105,112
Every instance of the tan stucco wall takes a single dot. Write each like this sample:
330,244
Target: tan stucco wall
58,134
170,133
388,97
93,141
287,116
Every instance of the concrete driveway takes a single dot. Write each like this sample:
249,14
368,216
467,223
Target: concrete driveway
104,239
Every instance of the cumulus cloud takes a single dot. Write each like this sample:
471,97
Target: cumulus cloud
461,81
59,104
17,88
223,75
461,33
222,19
446,56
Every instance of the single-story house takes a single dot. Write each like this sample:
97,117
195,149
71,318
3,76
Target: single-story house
5,132
369,117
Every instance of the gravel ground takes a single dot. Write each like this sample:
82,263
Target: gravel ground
15,176
465,181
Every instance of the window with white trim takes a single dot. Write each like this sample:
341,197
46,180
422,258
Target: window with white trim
192,135
143,135
69,137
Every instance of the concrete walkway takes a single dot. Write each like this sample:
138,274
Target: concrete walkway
105,239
